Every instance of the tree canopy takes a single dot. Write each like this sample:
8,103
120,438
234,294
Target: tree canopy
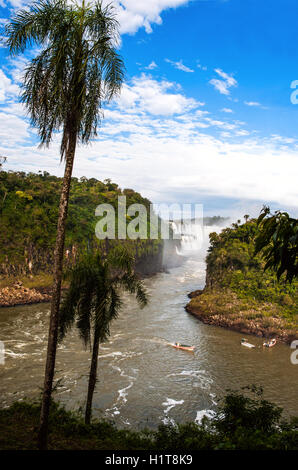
30,202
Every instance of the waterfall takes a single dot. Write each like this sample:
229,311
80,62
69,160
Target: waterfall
194,237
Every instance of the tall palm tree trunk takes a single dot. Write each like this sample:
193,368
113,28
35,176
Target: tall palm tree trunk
54,316
92,377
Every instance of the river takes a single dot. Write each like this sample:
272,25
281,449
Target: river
142,379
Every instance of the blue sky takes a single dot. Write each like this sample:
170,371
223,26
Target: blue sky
205,115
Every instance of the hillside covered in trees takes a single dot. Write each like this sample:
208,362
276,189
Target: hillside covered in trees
239,294
28,220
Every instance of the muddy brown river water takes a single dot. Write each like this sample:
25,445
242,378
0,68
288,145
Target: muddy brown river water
142,380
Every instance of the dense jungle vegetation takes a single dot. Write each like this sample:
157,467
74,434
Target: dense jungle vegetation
240,292
244,420
232,263
28,219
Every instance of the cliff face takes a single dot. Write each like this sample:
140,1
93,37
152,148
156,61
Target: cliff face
165,257
151,263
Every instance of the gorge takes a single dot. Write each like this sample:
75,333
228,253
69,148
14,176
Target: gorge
142,380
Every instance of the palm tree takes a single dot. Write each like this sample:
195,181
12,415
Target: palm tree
93,300
64,88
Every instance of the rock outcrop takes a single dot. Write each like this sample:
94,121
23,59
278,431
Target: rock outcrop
17,294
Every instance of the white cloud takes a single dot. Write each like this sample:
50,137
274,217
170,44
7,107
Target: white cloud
179,65
150,96
282,140
242,132
2,42
228,78
157,141
166,159
134,15
202,67
151,66
227,110
229,126
16,3
7,88
17,67
252,103
224,85
13,130
220,86
131,14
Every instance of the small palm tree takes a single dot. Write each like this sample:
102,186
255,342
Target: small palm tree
64,88
93,300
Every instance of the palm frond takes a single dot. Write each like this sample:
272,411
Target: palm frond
67,311
77,303
77,70
106,311
121,258
84,312
132,284
33,26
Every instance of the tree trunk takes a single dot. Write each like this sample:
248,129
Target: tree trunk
54,316
92,378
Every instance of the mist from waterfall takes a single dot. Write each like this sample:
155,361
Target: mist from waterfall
194,238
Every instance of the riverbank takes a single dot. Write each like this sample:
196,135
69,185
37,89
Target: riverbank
22,290
25,290
257,425
225,309
36,289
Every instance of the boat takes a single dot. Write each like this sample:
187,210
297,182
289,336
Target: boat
270,343
246,344
185,347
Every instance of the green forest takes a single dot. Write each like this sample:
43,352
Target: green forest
29,210
238,290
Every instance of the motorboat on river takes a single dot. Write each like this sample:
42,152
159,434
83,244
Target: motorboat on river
270,343
246,344
185,347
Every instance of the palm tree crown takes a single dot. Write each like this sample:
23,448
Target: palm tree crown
94,295
77,69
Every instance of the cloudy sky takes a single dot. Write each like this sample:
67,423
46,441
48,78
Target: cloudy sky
205,115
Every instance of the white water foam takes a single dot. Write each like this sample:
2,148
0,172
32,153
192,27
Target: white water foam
13,354
168,421
202,413
112,354
122,394
170,403
212,395
204,381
